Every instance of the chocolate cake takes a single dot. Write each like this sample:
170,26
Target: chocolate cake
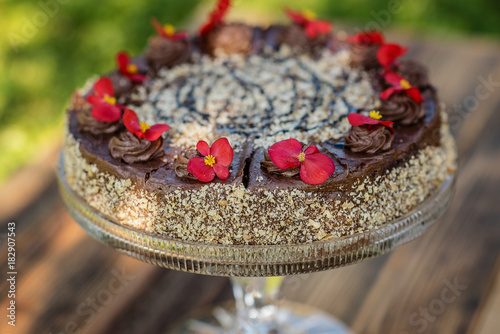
253,135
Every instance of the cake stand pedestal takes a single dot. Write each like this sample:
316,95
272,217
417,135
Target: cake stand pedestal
258,311
257,271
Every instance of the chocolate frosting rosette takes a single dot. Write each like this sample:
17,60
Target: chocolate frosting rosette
415,72
369,134
401,103
363,47
306,33
168,48
228,39
98,114
141,143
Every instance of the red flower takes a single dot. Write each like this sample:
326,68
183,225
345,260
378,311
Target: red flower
216,17
374,119
142,129
315,167
215,162
104,107
388,54
367,38
129,69
400,84
168,31
307,20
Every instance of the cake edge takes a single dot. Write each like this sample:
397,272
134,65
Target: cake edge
231,214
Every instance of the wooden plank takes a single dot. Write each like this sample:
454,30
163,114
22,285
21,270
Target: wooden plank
28,183
487,320
170,297
340,292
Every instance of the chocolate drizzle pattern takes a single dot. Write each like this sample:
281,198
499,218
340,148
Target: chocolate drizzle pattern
163,51
362,139
401,109
182,162
270,167
268,96
131,149
90,125
229,38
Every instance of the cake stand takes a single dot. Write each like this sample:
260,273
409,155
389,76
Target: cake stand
257,271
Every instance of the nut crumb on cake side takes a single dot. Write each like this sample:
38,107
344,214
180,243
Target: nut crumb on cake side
262,216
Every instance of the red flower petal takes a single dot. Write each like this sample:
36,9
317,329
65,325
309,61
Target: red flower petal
104,86
200,170
296,17
311,150
106,112
367,38
388,92
389,52
203,148
137,77
316,168
388,124
414,93
123,59
358,120
216,17
222,151
131,122
315,28
221,171
393,79
158,27
179,36
93,99
155,131
284,154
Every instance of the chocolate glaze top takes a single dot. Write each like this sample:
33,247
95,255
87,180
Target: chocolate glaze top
160,174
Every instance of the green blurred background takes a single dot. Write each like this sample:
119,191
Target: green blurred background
50,47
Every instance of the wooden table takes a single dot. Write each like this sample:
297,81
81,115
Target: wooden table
446,281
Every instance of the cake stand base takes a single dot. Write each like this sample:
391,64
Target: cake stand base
291,318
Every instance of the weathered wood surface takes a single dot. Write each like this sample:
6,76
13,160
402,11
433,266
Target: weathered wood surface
70,283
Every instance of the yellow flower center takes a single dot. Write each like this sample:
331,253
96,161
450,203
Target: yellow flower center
210,160
405,84
375,114
109,99
144,127
132,68
309,14
169,29
302,157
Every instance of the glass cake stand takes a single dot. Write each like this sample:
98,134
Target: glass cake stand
257,271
